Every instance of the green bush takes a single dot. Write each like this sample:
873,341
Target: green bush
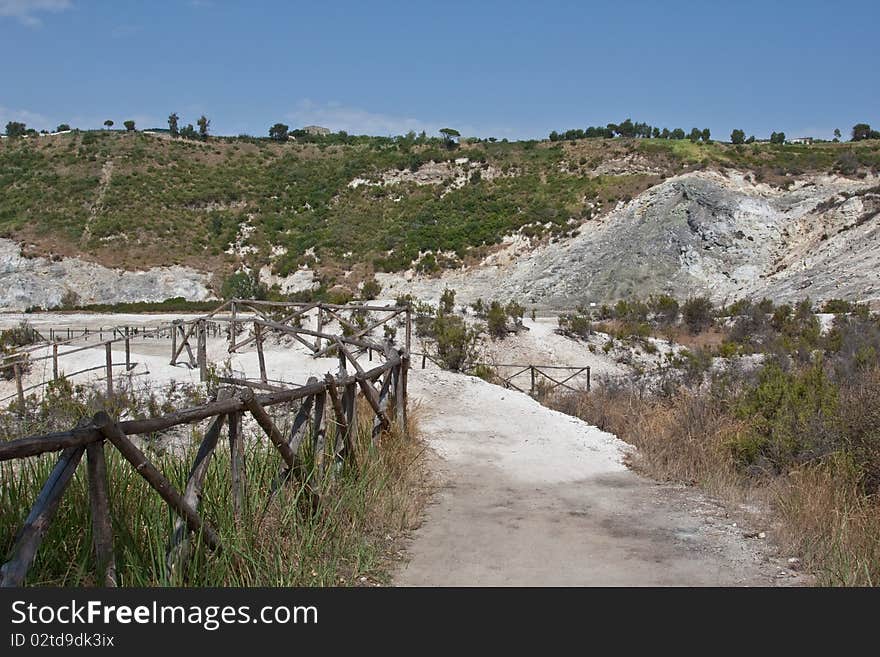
371,288
456,341
447,301
243,285
792,417
496,320
698,314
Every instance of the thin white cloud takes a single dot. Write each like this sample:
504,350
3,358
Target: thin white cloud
26,11
353,120
30,119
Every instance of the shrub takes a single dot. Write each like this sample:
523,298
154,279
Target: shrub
664,308
698,314
370,288
243,285
575,325
456,342
483,371
791,416
447,301
496,320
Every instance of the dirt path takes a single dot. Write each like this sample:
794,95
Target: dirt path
530,496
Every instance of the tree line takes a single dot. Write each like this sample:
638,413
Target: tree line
631,129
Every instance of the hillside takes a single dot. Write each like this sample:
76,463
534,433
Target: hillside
610,216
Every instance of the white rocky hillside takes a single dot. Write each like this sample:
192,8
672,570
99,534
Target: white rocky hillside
43,282
706,232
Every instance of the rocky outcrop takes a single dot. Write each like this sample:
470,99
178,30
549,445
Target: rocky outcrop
720,234
41,282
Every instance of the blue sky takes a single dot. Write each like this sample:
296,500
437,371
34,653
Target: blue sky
505,69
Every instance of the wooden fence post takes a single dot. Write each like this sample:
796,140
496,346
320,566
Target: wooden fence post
127,351
237,465
202,347
588,378
99,503
320,325
35,525
258,330
349,404
408,344
54,361
109,358
174,342
339,412
156,479
532,388
16,369
401,392
232,326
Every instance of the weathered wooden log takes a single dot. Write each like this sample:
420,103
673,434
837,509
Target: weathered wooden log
16,371
297,434
301,420
33,445
381,422
339,412
404,394
319,431
99,504
237,465
174,343
349,402
127,350
202,350
356,332
364,344
408,342
108,349
178,548
258,330
156,479
319,325
367,388
267,425
37,522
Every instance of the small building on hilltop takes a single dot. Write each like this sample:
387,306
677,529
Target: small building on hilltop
801,140
316,130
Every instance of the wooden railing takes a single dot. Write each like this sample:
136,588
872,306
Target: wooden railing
538,374
331,400
265,317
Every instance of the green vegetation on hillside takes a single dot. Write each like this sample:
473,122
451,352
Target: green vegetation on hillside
135,200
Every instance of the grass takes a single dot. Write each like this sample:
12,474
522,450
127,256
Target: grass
338,530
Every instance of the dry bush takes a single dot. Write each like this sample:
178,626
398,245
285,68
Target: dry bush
683,438
826,508
824,516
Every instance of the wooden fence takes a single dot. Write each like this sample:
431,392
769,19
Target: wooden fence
539,377
265,317
384,388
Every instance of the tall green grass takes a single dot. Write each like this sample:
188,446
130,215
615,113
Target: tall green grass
333,531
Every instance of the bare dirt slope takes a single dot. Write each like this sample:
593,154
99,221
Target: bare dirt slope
530,496
705,232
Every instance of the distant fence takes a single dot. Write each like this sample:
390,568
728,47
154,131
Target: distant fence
538,374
